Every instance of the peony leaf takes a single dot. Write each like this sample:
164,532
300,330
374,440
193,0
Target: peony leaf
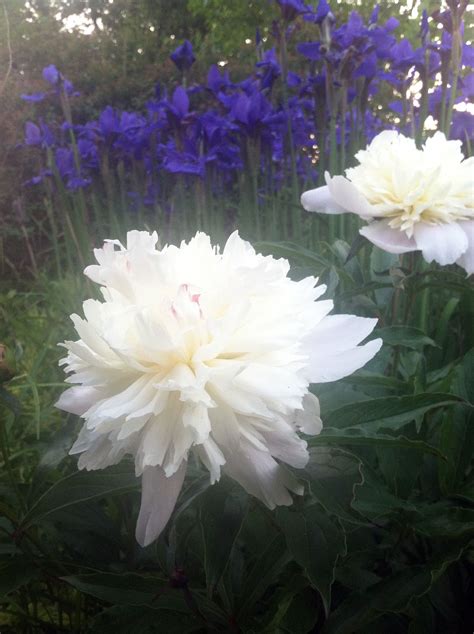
405,336
80,487
222,515
128,589
316,543
388,413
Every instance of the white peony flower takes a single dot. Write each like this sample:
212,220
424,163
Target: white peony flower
413,199
197,350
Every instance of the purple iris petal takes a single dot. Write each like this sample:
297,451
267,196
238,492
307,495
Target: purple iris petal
51,75
290,9
32,134
183,56
180,101
311,50
35,97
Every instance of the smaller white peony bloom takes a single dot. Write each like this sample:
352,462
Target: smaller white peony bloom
413,200
197,350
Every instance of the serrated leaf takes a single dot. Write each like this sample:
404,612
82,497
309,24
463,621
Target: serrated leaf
316,544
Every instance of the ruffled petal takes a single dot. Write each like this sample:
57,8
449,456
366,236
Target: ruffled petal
444,243
261,475
334,350
77,400
159,495
320,200
387,238
308,419
345,194
467,258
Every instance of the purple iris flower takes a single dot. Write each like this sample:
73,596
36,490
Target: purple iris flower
109,121
322,12
77,182
38,135
183,56
216,81
33,134
51,75
462,126
290,9
271,69
374,16
35,97
311,50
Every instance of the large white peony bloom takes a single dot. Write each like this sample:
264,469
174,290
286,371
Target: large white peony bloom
413,199
197,350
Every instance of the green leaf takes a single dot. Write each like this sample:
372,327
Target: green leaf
406,336
390,595
457,441
265,570
393,594
388,413
292,251
445,521
16,572
124,589
316,544
372,380
144,620
331,475
463,378
356,436
80,487
222,514
372,498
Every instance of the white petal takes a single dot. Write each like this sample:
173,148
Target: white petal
467,258
320,200
212,457
77,400
333,348
159,495
444,243
348,197
308,419
387,238
262,476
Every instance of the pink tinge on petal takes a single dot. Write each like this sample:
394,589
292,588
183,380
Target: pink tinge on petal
159,495
467,258
345,194
320,200
387,238
444,243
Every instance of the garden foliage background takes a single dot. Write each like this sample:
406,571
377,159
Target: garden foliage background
102,132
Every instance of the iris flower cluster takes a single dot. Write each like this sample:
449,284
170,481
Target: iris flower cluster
219,128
